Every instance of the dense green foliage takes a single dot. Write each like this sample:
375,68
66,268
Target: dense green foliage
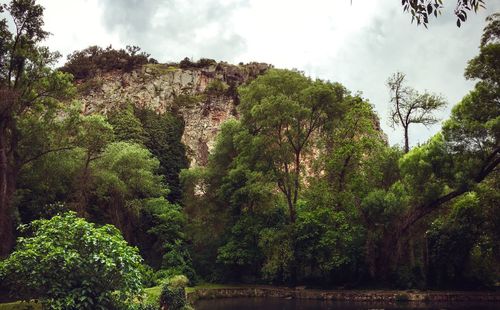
304,189
94,60
69,263
110,182
173,293
163,139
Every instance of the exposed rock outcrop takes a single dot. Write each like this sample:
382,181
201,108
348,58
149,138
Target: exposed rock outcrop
204,97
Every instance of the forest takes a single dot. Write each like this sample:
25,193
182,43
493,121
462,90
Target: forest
301,189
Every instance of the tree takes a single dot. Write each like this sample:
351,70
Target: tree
328,243
28,88
238,200
95,134
410,107
353,164
256,175
283,109
69,263
421,10
163,135
167,226
122,178
126,126
462,243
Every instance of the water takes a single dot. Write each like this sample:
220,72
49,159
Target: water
301,304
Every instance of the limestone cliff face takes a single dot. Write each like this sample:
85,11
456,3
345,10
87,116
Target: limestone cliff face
209,95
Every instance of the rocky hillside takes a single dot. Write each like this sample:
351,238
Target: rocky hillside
204,96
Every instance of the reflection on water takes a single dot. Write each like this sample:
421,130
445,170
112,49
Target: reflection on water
296,304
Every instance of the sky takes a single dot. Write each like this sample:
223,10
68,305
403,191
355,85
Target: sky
358,43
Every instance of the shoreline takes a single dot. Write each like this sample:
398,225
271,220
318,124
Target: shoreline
344,295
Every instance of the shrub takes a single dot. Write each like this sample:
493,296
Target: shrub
89,86
69,263
217,87
173,294
148,276
186,63
89,62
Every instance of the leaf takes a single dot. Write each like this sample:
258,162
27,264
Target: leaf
429,8
458,23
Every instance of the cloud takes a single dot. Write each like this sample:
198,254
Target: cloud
173,29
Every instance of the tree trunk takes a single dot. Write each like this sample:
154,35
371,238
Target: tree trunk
407,143
81,196
7,188
386,257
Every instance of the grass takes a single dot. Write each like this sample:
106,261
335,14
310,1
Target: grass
151,293
20,306
155,291
160,69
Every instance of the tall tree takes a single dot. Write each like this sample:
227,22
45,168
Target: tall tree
411,107
28,87
162,136
283,110
95,134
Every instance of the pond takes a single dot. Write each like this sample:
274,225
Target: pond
303,304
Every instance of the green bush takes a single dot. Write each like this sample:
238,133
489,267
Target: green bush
173,293
217,87
89,62
68,263
148,276
186,63
90,85
145,305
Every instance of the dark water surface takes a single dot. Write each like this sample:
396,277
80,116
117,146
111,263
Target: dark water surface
298,304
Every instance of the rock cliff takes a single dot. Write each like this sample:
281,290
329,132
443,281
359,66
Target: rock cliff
205,97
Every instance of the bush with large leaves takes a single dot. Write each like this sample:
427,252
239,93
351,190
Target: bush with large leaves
69,263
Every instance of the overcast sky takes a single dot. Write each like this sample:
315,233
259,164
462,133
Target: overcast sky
358,44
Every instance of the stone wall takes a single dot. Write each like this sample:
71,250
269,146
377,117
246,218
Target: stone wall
344,295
